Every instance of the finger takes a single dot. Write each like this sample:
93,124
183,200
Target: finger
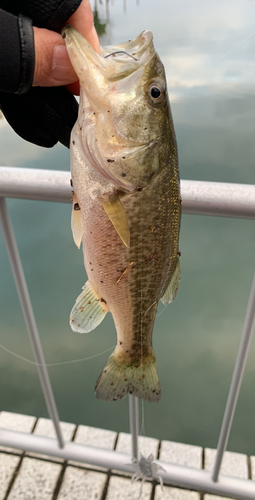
52,63
83,21
74,88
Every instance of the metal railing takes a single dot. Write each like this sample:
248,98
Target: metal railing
207,198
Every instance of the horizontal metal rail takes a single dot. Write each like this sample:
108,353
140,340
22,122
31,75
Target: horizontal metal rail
201,198
177,475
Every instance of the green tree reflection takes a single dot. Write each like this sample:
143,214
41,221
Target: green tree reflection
100,27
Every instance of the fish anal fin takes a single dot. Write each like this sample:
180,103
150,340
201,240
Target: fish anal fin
88,311
173,285
76,224
118,217
118,379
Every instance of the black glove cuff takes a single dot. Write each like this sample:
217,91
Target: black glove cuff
61,15
43,115
27,54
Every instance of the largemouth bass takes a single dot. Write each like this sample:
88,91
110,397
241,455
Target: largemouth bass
126,204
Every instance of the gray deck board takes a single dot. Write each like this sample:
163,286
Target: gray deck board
170,493
120,488
92,436
181,454
44,427
8,465
81,484
36,480
233,464
16,422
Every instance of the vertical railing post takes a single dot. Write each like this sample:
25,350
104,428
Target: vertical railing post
28,313
236,381
134,424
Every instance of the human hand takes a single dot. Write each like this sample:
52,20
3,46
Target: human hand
52,64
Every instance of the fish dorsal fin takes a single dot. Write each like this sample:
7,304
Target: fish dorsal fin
88,311
76,222
172,288
118,217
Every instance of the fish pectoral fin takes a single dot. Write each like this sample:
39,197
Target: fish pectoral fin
118,379
118,217
76,224
88,311
172,287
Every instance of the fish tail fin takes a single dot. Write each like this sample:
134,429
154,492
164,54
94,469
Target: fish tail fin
119,378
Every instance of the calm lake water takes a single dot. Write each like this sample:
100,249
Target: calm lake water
208,52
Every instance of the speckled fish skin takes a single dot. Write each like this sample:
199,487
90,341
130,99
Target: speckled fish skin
123,145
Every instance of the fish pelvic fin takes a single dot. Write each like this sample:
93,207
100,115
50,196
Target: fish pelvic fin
172,288
118,379
118,217
88,311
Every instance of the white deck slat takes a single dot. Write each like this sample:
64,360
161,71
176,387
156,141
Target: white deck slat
181,454
44,427
146,445
8,465
16,422
252,461
36,480
233,464
169,493
91,436
215,497
80,484
120,488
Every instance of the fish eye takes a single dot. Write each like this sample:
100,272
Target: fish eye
156,92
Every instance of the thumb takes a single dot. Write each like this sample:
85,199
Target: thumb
52,64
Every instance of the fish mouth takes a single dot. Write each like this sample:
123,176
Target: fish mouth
134,48
127,57
115,63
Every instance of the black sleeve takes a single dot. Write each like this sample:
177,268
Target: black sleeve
43,116
40,115
10,56
49,14
17,59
